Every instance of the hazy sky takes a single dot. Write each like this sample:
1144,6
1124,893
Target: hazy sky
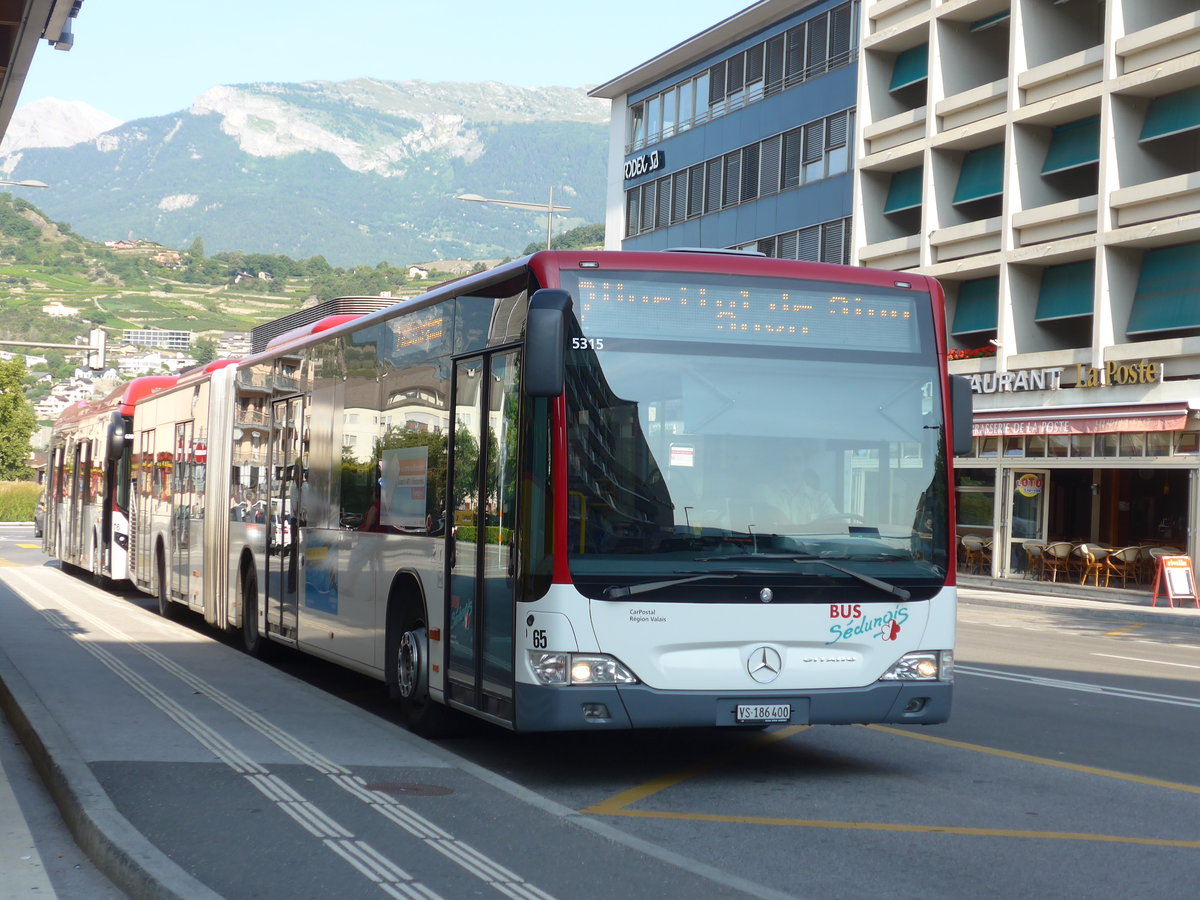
136,58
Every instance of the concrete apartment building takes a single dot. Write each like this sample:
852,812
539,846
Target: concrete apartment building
1041,158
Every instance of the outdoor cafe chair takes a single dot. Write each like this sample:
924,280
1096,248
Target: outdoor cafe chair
1123,563
1033,558
977,554
1090,562
1055,559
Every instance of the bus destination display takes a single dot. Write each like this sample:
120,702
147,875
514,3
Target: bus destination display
762,311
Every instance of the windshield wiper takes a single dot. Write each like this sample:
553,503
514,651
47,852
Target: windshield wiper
615,593
901,594
884,586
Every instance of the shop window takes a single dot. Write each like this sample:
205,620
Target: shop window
989,446
1014,446
1035,445
1106,445
1133,443
1188,443
1058,445
1158,443
1082,445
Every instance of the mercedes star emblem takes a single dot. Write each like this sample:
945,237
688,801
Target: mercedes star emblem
765,664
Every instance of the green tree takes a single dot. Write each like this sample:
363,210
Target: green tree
205,350
17,422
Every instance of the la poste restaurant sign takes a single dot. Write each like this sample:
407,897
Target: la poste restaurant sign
1051,379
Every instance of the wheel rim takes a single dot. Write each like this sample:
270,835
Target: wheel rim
408,664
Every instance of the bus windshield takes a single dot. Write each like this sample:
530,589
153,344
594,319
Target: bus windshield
701,444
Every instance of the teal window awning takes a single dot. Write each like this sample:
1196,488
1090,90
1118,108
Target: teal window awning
911,67
991,21
981,175
978,306
1168,291
905,191
1073,145
1172,114
1066,291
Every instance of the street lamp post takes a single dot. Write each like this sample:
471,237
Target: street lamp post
548,208
30,183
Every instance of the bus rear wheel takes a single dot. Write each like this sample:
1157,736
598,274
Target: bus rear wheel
253,641
166,608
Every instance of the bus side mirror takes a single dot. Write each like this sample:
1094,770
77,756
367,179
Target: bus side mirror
961,414
546,343
115,440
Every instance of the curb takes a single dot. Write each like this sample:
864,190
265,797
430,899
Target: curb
1094,609
118,849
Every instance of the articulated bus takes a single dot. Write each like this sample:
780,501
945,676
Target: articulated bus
87,494
584,490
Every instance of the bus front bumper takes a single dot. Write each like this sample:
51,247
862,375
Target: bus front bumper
540,708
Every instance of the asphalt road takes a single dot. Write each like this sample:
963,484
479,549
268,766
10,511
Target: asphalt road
1068,769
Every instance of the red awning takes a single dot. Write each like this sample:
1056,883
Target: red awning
1082,419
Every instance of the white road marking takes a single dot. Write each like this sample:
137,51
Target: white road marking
1081,686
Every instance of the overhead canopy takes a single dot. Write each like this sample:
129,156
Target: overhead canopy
1168,291
981,175
1066,291
1073,145
1082,419
977,307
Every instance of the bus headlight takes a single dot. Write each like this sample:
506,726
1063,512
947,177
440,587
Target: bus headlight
922,665
578,668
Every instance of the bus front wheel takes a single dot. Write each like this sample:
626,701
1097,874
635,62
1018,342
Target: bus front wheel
408,679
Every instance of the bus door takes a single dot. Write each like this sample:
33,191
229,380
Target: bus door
54,500
183,495
79,505
142,499
1027,492
481,557
284,551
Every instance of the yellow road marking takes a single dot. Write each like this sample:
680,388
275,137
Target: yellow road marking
618,804
5,562
1125,629
1043,761
911,829
614,805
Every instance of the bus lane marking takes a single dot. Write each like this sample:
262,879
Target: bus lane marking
387,875
1157,662
619,804
1082,686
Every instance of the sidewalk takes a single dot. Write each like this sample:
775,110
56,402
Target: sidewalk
1120,604
185,769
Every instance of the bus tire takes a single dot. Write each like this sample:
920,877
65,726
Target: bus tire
253,641
407,674
166,608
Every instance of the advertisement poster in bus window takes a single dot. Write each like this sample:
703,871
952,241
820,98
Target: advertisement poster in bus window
405,482
320,576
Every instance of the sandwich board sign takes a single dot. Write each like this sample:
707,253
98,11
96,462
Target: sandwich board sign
1175,580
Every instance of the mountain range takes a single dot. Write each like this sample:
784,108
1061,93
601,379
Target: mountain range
357,171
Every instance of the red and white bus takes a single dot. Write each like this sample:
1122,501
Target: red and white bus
87,496
585,490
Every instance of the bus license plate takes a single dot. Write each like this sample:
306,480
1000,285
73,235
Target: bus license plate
764,712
